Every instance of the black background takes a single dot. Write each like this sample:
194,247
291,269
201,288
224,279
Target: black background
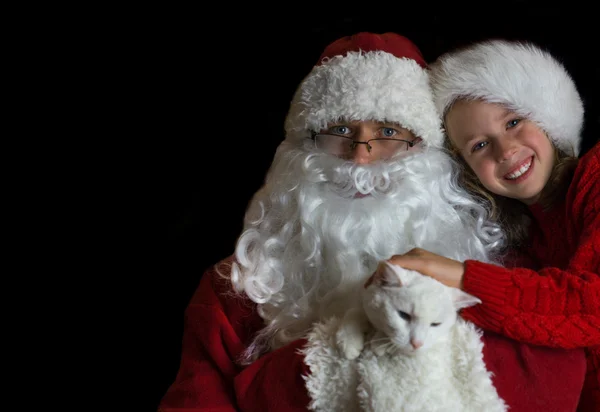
219,85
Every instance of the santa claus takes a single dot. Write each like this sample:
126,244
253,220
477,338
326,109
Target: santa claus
360,176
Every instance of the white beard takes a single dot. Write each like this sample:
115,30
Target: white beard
308,244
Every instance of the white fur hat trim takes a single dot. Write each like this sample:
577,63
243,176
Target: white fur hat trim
360,86
519,75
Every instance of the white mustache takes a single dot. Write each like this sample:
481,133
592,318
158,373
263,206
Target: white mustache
346,178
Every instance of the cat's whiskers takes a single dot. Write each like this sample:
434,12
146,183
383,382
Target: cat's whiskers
385,347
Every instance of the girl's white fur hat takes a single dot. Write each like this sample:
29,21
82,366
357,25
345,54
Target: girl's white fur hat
367,76
519,75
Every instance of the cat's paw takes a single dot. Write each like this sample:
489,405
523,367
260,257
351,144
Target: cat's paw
351,350
349,344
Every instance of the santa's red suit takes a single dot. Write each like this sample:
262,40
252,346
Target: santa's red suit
219,325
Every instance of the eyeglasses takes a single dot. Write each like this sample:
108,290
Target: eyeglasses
339,145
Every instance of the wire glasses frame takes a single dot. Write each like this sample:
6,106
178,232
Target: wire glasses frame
340,145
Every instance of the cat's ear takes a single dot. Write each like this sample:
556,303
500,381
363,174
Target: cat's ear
386,274
463,299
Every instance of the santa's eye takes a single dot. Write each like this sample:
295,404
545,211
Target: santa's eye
389,132
340,129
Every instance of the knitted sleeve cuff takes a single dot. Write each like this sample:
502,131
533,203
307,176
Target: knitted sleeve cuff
491,284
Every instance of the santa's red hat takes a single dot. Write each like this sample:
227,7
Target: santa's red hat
519,75
367,76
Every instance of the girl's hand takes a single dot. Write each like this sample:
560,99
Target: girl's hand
445,270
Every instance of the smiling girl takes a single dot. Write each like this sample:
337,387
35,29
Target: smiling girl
513,118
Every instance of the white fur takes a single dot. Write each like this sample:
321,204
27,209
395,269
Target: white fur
450,376
445,374
330,373
307,243
519,75
365,86
392,289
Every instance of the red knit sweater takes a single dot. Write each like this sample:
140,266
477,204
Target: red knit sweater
559,304
218,325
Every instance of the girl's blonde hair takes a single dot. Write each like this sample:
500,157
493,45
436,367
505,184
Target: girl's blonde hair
512,214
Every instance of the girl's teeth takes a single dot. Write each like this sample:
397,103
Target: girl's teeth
519,172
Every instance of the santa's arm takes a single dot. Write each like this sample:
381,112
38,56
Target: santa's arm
209,377
274,382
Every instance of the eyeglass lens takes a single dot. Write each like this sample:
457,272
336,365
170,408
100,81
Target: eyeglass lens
340,145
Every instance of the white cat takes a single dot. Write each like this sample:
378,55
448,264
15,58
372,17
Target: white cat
402,312
403,348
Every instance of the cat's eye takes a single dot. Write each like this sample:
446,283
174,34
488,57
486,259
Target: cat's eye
404,315
436,324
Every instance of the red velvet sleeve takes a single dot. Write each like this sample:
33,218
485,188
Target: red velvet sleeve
217,326
534,378
274,382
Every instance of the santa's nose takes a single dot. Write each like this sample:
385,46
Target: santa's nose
362,153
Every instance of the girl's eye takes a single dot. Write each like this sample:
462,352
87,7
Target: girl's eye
404,315
512,123
478,146
436,324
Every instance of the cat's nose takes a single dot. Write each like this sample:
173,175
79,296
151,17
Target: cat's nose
416,343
